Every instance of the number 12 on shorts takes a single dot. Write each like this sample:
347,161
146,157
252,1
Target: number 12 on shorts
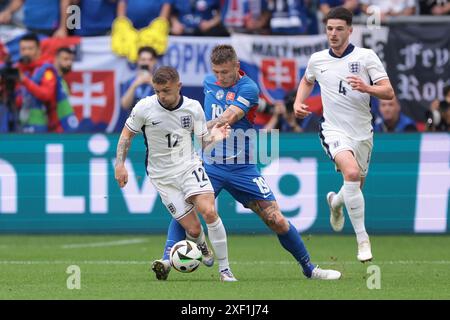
200,176
262,185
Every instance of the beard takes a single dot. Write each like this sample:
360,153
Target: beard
25,59
65,70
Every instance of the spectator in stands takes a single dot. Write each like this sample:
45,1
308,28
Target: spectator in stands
434,7
246,16
96,16
390,7
326,5
258,17
4,4
197,17
44,106
142,12
263,113
10,15
285,120
444,124
439,115
290,123
5,115
40,16
63,63
8,79
392,119
288,17
139,86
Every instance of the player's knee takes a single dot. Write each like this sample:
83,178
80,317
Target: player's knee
209,213
352,174
194,230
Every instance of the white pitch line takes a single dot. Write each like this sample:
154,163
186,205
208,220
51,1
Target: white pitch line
261,262
103,244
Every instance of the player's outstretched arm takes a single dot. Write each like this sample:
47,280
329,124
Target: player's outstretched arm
304,90
217,133
120,172
230,116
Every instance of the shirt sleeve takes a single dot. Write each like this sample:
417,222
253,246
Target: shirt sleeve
46,90
246,98
375,68
124,86
136,120
309,72
200,128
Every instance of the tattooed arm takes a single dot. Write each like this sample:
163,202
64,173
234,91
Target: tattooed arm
123,146
230,116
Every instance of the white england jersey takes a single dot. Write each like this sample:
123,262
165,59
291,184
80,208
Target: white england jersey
346,110
168,134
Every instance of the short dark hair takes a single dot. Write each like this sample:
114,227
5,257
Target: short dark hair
30,37
165,74
339,13
223,53
66,50
446,90
149,50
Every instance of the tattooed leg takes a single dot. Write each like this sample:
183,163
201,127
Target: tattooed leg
270,213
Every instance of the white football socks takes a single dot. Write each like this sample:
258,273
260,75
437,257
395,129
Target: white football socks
218,237
354,202
199,240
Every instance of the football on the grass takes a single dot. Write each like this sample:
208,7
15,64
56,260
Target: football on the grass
185,256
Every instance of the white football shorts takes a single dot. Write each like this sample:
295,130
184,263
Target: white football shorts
175,191
334,142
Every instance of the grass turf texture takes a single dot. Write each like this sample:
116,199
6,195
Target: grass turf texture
117,267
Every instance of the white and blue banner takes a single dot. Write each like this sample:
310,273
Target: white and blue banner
277,63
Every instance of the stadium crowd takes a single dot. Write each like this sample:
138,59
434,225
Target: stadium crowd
201,17
205,18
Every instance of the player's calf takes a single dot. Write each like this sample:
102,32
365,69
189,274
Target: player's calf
270,213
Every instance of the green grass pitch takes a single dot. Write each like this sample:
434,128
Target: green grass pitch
117,267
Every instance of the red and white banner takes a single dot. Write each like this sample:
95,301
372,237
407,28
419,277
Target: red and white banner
95,82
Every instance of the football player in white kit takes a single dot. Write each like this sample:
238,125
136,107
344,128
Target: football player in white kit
168,120
347,76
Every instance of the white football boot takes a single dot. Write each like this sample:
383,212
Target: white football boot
161,268
364,251
207,255
323,274
337,217
227,276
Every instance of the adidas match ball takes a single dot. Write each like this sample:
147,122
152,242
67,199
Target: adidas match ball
185,256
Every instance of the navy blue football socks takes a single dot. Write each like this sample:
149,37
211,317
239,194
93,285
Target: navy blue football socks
292,242
175,233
